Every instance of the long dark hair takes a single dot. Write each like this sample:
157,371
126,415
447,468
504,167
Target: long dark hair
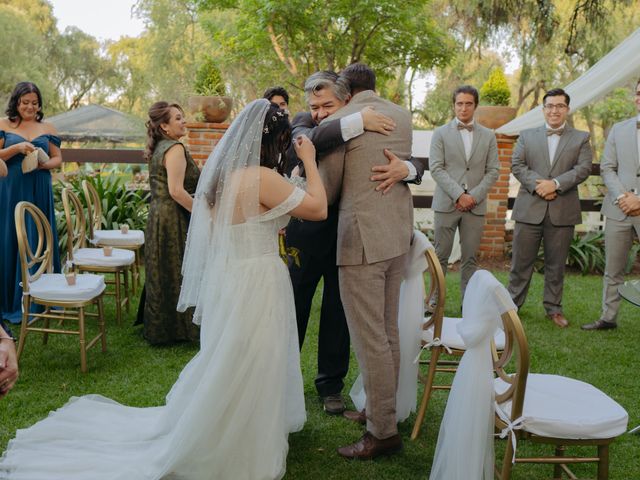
276,139
159,113
19,91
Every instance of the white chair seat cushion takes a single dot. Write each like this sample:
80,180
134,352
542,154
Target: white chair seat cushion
452,339
117,238
562,407
53,286
96,257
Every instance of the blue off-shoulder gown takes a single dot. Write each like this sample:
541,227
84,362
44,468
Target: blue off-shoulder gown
34,187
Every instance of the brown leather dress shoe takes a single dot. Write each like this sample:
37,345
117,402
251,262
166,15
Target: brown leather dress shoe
355,416
559,319
369,447
599,325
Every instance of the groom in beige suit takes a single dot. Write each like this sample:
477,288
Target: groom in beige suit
374,235
620,171
549,162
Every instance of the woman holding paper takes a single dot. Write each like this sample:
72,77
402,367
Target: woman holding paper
28,178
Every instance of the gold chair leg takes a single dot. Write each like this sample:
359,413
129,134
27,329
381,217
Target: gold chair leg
101,325
83,344
426,395
507,464
118,293
127,295
26,305
603,464
45,336
557,468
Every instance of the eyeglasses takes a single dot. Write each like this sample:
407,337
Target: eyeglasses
559,107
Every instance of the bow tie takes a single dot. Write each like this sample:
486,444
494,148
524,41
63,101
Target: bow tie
554,131
462,126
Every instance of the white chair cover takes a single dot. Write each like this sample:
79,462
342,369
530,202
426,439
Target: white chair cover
53,286
562,407
452,339
410,315
465,442
96,256
117,238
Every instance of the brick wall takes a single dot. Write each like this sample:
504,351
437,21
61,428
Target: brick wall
202,138
493,236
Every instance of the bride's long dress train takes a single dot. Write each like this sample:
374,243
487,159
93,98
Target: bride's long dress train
228,415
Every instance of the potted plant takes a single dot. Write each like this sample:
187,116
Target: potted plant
210,104
494,110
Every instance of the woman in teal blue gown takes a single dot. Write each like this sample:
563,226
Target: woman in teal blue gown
20,133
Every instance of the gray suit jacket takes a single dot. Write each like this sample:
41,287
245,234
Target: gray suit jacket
571,166
371,225
620,166
450,170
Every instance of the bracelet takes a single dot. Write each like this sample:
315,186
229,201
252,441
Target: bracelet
8,338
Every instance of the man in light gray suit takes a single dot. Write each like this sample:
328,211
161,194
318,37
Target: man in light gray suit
549,162
463,160
620,171
374,235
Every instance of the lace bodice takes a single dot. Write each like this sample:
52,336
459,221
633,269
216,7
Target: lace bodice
258,236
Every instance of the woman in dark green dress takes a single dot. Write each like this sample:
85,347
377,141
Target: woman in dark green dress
173,177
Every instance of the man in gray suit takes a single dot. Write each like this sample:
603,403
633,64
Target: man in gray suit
620,171
549,162
374,235
463,160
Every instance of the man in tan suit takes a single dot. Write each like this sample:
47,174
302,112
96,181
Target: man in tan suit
374,235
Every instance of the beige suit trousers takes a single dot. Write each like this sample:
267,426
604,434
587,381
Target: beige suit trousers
370,295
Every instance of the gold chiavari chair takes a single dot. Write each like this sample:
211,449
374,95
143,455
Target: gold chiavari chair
94,260
132,240
550,409
440,336
46,289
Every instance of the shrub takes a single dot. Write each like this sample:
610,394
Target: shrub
495,91
209,79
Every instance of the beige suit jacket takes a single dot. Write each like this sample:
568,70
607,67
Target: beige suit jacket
372,227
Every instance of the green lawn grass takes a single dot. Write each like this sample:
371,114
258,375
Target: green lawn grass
136,374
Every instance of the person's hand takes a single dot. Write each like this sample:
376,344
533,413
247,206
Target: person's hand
465,203
629,203
545,187
377,122
3,169
390,174
305,149
8,366
25,147
550,196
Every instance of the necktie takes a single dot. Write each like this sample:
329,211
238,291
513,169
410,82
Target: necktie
555,131
462,126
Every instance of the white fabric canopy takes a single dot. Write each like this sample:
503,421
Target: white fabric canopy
615,68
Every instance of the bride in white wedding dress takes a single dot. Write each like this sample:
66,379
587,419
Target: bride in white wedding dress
229,414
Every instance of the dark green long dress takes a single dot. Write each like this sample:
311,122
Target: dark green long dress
165,239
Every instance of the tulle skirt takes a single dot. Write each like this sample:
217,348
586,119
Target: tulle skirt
227,417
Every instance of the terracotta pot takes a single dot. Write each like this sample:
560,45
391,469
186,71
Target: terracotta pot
493,117
214,109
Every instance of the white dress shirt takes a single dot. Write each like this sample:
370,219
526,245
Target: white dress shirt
467,139
552,141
